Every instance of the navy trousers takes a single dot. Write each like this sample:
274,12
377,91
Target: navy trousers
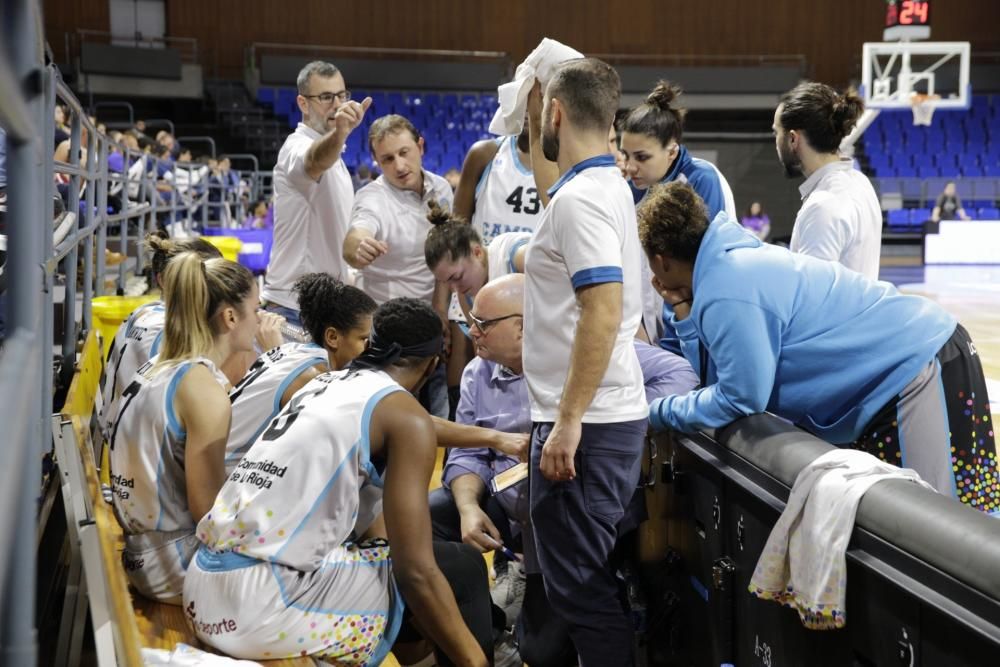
576,525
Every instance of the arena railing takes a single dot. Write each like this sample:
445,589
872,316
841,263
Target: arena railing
921,579
186,46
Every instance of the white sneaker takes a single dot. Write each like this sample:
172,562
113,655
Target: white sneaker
508,591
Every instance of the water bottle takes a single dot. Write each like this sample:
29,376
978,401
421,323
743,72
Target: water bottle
294,334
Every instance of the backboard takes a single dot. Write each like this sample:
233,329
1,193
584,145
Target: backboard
894,71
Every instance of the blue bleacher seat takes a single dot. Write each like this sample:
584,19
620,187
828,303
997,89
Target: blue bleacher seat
988,213
972,171
919,215
899,217
265,95
927,172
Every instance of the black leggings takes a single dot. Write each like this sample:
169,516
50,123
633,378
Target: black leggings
465,570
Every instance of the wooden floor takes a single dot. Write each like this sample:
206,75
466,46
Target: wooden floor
970,293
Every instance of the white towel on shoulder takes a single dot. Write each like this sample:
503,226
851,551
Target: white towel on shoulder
513,96
189,656
804,564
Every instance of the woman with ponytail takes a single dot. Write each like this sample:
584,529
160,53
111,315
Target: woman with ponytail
840,219
168,440
651,137
651,146
139,337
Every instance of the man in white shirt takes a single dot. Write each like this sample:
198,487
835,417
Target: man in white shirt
388,227
312,188
582,309
840,219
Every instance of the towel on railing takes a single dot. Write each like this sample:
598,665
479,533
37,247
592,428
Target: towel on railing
513,96
804,564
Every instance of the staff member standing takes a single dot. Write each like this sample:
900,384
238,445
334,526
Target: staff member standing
582,308
313,194
840,219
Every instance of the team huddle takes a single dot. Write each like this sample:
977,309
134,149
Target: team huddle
598,278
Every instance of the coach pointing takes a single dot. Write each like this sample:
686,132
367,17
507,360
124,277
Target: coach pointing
312,187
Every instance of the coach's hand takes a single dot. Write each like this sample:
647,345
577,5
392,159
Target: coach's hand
350,114
475,526
513,444
559,450
369,249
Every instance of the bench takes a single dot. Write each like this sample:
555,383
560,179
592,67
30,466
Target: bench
123,621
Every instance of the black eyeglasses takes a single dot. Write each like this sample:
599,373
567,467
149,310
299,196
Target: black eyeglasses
328,98
485,325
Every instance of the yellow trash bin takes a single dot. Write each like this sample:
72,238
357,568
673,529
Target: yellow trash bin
229,246
110,311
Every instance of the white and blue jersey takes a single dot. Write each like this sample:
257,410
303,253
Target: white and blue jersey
281,571
506,197
136,342
256,398
148,485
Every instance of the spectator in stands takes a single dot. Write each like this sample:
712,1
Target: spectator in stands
756,221
140,126
164,138
389,225
846,358
840,219
61,125
362,176
261,217
948,205
582,309
452,176
495,395
651,145
313,194
168,441
266,542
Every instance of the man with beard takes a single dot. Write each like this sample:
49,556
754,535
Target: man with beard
840,219
312,188
582,308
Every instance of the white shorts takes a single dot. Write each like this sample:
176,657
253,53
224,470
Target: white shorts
346,612
155,563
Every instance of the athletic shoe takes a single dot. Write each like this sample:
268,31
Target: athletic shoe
508,591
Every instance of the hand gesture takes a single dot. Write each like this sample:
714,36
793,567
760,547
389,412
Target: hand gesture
269,330
558,451
350,115
369,250
517,445
679,298
476,526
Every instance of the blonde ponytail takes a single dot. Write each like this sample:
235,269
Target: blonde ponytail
194,289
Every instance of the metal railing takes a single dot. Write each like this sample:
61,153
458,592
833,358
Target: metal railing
187,47
42,263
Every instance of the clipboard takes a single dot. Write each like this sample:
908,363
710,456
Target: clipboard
509,478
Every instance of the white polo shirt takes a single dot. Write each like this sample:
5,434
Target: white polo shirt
840,219
399,218
310,219
587,235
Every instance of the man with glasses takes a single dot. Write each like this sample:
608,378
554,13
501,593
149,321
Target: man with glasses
495,395
313,194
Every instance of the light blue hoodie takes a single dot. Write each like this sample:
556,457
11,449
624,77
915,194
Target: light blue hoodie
803,338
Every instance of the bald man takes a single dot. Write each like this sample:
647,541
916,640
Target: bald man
494,395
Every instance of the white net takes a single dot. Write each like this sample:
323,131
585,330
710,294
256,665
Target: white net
923,108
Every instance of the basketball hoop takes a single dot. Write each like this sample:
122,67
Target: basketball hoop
923,108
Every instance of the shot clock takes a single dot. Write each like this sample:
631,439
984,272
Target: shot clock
907,20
